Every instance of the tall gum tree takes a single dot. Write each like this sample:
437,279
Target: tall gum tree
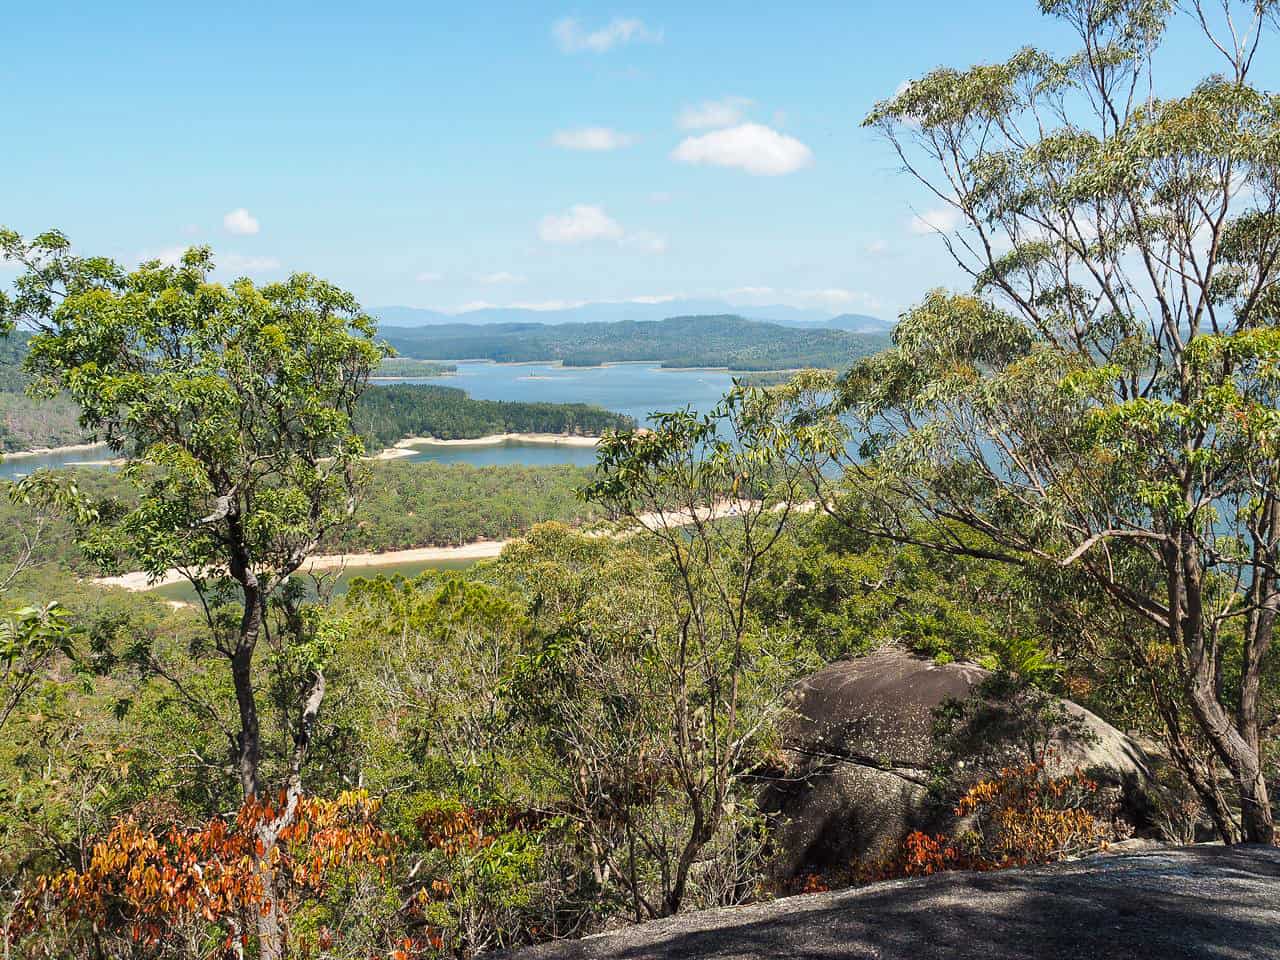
232,407
1104,398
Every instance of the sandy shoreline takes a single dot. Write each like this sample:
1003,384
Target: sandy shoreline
404,448
53,451
476,550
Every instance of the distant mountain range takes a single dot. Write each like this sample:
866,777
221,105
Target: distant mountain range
614,312
723,340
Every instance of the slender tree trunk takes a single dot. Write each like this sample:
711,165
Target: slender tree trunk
1199,775
249,739
271,941
1245,763
249,748
1187,628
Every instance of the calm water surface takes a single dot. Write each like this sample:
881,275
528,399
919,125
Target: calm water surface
637,389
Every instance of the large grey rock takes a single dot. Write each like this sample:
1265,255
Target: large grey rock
1171,904
857,749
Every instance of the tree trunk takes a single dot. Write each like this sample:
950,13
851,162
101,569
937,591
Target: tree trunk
249,755
1255,808
1245,764
271,942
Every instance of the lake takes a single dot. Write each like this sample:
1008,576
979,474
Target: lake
12,468
636,389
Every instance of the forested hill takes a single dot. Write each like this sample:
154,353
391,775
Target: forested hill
719,341
26,424
391,413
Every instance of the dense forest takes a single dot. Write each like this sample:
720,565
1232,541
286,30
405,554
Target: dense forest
27,423
395,411
725,341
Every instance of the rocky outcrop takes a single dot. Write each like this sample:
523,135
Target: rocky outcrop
1171,904
858,745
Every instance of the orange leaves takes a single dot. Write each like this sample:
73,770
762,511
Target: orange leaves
814,883
145,886
455,830
1020,817
1027,817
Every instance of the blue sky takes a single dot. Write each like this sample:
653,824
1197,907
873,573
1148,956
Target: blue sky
436,154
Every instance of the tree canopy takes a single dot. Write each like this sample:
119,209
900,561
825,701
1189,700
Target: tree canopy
1105,396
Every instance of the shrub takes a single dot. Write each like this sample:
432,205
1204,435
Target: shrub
1019,817
177,891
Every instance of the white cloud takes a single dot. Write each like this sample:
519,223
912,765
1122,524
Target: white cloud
876,248
500,277
596,139
582,222
240,222
547,304
654,298
751,147
835,298
936,220
226,264
241,265
168,256
712,113
660,196
585,222
428,276
572,37
645,242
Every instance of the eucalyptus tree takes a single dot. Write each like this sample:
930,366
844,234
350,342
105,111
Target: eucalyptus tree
711,495
1104,398
232,408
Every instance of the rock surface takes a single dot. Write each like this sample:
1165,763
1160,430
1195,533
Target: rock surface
857,751
1171,904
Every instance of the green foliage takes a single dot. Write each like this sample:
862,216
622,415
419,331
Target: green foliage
1106,397
235,402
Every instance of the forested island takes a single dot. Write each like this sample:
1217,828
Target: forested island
720,341
393,368
390,413
403,505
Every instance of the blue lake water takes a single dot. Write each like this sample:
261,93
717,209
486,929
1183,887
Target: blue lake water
636,389
12,468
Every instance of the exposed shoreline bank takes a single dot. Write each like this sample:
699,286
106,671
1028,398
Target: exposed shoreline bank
475,550
137,581
405,447
53,451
